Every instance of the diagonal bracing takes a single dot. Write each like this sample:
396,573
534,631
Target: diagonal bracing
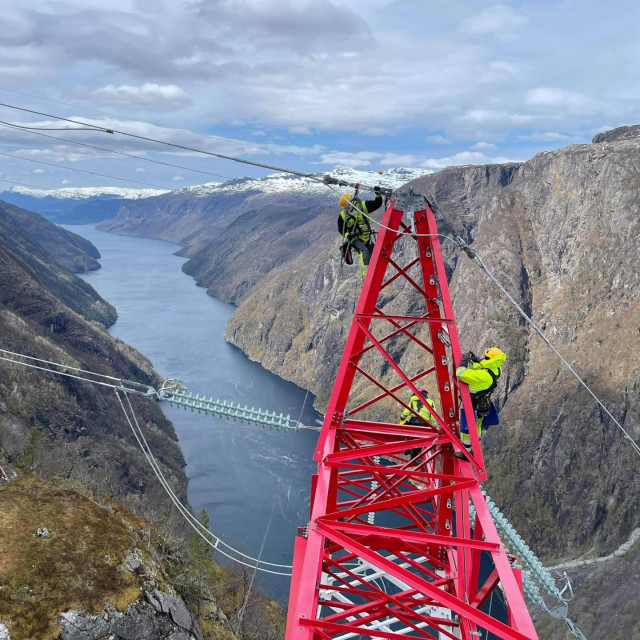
400,540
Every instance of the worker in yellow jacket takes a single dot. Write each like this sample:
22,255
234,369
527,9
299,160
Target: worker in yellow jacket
481,374
425,416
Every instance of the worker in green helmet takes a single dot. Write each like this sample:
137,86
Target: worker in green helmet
426,417
353,224
481,375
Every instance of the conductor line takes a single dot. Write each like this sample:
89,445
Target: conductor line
34,131
92,173
165,143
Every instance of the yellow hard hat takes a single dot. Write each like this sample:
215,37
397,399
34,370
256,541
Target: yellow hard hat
344,198
494,352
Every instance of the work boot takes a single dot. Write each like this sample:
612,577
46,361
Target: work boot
458,454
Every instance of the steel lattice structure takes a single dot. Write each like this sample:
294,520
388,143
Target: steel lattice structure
391,549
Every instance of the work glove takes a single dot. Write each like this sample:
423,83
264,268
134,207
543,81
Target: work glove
473,357
402,420
466,360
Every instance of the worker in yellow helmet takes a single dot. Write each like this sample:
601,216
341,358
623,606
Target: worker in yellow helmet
481,374
353,224
408,417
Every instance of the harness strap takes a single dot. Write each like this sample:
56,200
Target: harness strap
494,382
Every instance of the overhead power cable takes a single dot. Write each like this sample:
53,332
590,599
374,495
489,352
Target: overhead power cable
127,386
473,254
92,173
164,142
119,153
326,181
22,126
24,184
457,239
103,113
206,534
476,258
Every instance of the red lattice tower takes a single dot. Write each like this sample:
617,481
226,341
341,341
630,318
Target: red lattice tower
393,548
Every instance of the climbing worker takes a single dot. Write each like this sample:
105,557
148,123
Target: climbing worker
481,374
353,224
408,417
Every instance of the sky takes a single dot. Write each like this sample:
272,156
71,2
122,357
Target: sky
306,85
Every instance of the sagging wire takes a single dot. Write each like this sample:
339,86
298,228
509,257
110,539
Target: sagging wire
91,173
119,153
120,386
208,536
166,143
475,257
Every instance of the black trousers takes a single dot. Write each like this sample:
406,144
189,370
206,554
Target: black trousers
365,250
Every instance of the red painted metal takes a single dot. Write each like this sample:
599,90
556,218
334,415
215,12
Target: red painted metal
391,550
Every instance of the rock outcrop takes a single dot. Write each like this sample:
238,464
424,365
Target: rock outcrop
158,615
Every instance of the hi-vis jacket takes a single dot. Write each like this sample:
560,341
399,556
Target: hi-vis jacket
420,409
352,223
478,374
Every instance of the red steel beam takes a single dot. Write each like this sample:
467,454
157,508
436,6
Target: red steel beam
378,516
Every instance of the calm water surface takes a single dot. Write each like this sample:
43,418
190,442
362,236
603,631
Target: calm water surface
239,474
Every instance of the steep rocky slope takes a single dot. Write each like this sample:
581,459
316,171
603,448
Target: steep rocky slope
78,429
73,563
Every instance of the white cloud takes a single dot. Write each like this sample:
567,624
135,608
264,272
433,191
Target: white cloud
178,178
348,159
498,20
38,171
140,170
548,136
152,96
375,159
305,131
374,131
66,182
464,157
479,146
438,139
554,97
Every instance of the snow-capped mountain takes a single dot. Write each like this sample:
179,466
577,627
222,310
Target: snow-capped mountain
282,182
84,193
76,205
90,205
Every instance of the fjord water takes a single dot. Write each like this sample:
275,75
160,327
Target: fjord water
245,477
